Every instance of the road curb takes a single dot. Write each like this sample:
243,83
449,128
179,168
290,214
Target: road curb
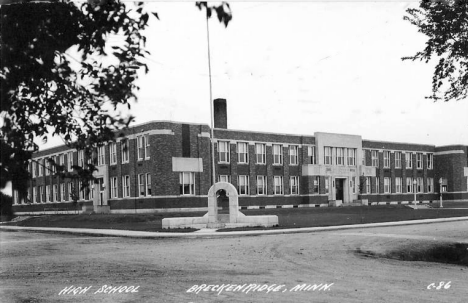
214,234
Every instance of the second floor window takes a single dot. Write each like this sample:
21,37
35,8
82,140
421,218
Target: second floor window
409,160
223,152
430,161
70,160
101,155
375,158
40,162
419,161
311,154
81,158
339,156
125,152
293,151
397,159
113,153
277,154
143,147
242,152
328,155
260,153
386,159
351,157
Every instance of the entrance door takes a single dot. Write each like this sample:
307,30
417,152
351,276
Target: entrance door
339,189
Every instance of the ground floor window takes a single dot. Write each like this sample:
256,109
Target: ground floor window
294,185
377,185
55,194
387,185
113,187
62,192
430,185
243,185
316,184
398,185
278,185
420,185
125,186
261,185
368,185
187,183
409,185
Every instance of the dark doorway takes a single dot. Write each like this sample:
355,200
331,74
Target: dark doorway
339,189
222,201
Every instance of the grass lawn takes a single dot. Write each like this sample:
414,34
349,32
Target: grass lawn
288,218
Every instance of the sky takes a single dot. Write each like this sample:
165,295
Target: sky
297,68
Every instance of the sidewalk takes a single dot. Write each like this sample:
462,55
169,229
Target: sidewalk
212,233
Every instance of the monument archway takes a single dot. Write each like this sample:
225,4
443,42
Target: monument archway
231,194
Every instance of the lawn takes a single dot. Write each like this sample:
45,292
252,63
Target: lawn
288,218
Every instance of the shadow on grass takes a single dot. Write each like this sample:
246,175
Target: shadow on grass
449,253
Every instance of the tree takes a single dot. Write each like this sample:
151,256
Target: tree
446,25
60,76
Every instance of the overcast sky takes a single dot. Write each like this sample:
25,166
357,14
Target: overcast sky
298,68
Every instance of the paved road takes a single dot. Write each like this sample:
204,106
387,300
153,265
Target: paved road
36,267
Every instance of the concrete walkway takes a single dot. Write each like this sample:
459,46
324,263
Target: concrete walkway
212,233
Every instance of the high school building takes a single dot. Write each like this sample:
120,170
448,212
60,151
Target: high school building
166,166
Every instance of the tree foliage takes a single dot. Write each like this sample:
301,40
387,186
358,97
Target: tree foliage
63,74
445,23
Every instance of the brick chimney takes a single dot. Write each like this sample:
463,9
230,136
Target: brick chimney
220,113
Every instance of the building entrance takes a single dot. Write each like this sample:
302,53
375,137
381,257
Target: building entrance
339,189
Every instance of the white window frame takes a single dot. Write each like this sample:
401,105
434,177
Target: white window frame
277,150
81,158
69,161
293,155
339,156
55,193
430,185
125,186
311,154
46,167
224,178
260,153
112,153
142,185
114,187
278,185
397,159
101,155
125,150
317,185
47,192
91,192
35,194
81,191
375,158
242,152
41,193
386,158
148,185
61,159
430,161
409,184
223,151
243,185
70,189
398,185
40,169
409,159
141,147
187,181
261,185
368,185
147,147
419,161
351,157
377,185
387,185
328,155
294,185
420,185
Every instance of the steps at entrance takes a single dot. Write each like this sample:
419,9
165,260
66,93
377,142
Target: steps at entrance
222,218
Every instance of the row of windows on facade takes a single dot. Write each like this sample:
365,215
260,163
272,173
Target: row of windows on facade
410,186
43,167
408,158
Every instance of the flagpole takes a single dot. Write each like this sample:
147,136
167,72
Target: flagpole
213,175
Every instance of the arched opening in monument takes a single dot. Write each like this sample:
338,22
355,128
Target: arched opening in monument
222,202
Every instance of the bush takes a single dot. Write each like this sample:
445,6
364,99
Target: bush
6,210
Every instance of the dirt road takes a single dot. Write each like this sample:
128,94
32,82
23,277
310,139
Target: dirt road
311,267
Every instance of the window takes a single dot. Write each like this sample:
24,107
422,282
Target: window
293,152
34,169
419,161
311,154
328,155
387,185
125,186
147,147
70,190
316,184
46,167
114,185
398,185
91,192
397,159
62,159
101,155
223,151
142,185
386,159
260,153
351,157
377,185
261,185
80,189
62,192
409,160
430,161
430,185
363,157
41,194
294,185
368,185
47,192
224,178
55,194
35,194
148,184
125,152
242,152
113,153
339,156
409,185
187,183
327,185
375,158
41,168
81,158
243,185
141,147
278,185
69,160
420,185
277,154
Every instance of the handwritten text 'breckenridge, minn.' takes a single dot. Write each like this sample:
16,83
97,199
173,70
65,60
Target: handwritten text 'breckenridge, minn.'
246,288
104,289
